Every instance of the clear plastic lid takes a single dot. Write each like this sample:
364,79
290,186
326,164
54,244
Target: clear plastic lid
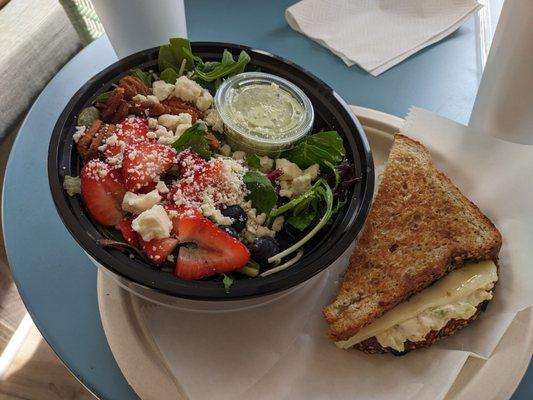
263,112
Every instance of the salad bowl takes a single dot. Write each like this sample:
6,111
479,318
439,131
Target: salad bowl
331,113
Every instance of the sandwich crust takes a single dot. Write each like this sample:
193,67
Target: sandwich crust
420,228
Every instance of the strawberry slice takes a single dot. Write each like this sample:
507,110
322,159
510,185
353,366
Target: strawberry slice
130,236
102,192
130,130
193,183
188,161
157,250
215,251
175,213
143,162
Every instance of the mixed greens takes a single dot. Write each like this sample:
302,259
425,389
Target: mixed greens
320,157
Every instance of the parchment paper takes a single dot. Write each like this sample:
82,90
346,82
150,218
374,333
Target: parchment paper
279,351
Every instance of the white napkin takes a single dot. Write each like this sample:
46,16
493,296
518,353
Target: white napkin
279,351
378,34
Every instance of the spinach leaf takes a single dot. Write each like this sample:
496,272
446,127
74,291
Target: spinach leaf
321,148
302,221
262,193
227,67
145,77
166,59
227,281
169,75
181,50
253,161
87,116
102,97
194,138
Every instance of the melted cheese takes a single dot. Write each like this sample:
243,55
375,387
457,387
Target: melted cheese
456,288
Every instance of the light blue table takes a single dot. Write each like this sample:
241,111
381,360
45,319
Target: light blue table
55,279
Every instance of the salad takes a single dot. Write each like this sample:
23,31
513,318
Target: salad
164,184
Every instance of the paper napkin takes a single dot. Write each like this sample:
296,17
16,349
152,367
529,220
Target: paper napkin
378,34
280,351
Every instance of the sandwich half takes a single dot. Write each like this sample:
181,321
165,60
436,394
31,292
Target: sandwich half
424,266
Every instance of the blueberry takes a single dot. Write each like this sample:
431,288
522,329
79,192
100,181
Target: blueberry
238,215
230,230
263,248
285,240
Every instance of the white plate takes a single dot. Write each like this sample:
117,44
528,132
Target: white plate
139,360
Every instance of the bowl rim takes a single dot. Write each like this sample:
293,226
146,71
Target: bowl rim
147,276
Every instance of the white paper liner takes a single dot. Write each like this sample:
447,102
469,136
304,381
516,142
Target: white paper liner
279,351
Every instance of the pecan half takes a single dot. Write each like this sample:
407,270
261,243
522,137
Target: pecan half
176,106
214,143
132,86
146,108
115,109
91,140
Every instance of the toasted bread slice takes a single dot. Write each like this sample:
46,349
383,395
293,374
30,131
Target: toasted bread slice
420,228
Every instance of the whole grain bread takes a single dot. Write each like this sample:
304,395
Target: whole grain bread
371,345
420,228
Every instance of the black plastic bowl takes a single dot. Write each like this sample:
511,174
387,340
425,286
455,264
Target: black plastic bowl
331,113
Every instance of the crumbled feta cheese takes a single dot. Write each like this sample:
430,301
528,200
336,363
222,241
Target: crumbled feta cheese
254,227
172,122
210,211
152,99
213,120
169,121
187,89
277,224
285,189
153,224
290,169
152,123
261,218
162,187
139,98
151,135
162,90
312,171
181,128
137,203
80,131
239,155
225,150
112,140
265,164
300,184
72,185
170,258
204,101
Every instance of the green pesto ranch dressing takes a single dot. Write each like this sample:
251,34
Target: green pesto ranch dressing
265,111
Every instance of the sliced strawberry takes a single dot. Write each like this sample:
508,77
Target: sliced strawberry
143,162
129,131
215,251
157,250
188,161
175,213
102,192
131,237
191,186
